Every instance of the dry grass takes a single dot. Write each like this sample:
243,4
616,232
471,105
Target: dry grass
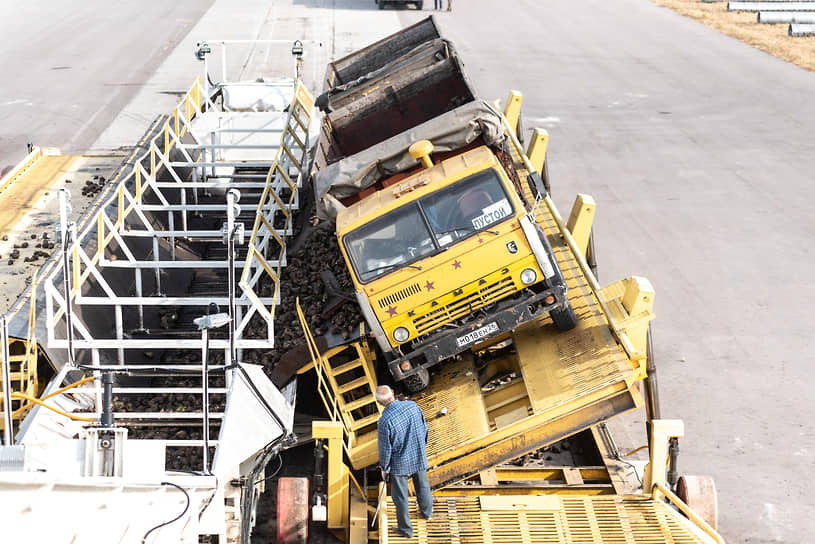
743,26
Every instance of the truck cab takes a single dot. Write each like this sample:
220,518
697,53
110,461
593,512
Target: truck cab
448,258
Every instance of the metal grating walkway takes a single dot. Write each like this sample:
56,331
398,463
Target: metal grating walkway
543,519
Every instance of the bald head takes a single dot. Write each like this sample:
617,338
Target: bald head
384,395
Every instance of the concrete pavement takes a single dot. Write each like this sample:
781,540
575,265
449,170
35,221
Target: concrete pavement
699,151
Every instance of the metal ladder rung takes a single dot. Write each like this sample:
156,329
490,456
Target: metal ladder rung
342,369
359,403
364,422
353,384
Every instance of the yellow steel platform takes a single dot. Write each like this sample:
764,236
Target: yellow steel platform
543,519
563,382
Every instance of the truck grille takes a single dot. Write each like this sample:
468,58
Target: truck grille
486,295
393,298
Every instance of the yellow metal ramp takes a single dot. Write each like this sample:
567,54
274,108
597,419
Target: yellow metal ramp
558,384
543,519
29,186
474,427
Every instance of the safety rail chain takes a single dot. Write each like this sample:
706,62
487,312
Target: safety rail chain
287,171
170,197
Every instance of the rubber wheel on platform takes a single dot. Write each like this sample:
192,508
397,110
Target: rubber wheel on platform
699,492
419,5
564,317
381,4
292,510
417,382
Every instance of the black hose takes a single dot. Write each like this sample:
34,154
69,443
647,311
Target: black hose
178,517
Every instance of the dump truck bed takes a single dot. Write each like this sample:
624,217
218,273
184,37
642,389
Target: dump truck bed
376,55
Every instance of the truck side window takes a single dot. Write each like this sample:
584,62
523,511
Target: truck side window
467,206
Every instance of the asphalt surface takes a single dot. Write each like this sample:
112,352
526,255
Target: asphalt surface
69,66
698,149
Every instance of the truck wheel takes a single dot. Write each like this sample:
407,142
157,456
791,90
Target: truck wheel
699,492
564,317
417,382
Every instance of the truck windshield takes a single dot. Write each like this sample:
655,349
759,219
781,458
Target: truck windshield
403,236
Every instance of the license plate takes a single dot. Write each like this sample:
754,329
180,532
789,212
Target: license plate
477,334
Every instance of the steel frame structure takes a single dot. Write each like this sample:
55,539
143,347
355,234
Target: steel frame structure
139,229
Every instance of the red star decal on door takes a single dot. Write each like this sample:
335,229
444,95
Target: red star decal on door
392,310
429,285
480,240
456,264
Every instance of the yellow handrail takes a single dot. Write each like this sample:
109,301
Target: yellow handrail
618,332
693,516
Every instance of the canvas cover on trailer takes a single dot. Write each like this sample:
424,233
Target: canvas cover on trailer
448,132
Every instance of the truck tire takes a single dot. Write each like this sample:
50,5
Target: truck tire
564,317
417,382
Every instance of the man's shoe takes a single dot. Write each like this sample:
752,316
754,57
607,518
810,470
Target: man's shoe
403,533
425,517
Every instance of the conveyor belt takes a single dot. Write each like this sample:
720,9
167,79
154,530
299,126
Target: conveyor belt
542,519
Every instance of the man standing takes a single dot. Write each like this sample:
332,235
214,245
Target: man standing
402,433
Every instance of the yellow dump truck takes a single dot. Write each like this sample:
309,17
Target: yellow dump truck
431,213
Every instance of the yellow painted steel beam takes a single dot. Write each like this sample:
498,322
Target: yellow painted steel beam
528,435
662,430
537,148
581,220
525,474
520,489
338,481
512,110
358,518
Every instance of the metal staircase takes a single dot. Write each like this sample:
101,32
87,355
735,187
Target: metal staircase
346,380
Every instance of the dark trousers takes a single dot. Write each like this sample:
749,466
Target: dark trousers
399,490
437,4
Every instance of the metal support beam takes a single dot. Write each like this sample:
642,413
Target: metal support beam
338,483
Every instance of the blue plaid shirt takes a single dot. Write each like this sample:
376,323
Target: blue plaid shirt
402,433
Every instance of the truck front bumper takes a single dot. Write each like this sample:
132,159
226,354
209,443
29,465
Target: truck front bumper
440,346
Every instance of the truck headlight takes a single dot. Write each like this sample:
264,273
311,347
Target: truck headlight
528,276
400,334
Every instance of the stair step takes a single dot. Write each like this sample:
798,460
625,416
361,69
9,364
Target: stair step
353,384
342,369
364,422
359,403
